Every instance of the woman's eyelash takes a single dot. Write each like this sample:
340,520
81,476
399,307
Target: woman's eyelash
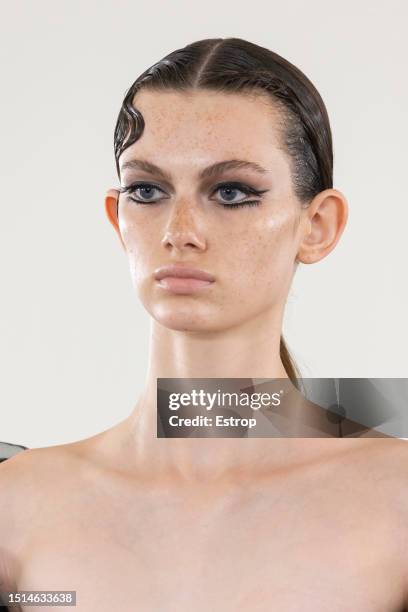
246,189
134,186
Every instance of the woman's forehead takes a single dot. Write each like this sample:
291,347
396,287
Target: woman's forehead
207,113
205,124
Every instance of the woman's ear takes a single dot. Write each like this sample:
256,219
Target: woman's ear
111,208
323,223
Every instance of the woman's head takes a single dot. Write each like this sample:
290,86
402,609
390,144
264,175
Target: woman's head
226,122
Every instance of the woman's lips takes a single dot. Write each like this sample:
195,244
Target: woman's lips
183,278
178,284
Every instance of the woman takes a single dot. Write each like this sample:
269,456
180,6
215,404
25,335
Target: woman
224,155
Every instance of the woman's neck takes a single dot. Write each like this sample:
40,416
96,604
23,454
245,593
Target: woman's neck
248,351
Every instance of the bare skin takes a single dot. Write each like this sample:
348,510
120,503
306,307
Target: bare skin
130,521
326,534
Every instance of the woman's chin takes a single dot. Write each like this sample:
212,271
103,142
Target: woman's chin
186,319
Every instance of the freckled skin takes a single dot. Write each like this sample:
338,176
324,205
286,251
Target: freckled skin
251,251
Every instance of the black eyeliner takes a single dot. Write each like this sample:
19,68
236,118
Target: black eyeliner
243,187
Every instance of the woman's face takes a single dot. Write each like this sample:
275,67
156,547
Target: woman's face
250,250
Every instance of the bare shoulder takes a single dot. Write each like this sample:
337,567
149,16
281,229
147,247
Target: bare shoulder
386,459
26,477
385,469
393,481
377,470
396,461
374,491
17,476
29,481
29,477
19,469
393,454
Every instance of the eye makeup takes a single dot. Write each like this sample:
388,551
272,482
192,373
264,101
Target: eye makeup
227,186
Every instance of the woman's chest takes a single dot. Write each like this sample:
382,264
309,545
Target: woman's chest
281,552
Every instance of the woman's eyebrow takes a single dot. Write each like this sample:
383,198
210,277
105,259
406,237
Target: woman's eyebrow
205,173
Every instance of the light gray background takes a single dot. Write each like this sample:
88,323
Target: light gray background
74,337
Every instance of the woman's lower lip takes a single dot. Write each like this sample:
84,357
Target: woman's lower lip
183,285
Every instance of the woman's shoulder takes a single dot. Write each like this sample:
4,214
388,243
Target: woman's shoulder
27,474
8,450
80,457
12,459
31,481
382,464
385,456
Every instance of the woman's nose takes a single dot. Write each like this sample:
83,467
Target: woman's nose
185,226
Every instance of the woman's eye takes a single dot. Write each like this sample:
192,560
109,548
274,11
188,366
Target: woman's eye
146,193
229,191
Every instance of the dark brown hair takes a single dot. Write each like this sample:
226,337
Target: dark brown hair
237,65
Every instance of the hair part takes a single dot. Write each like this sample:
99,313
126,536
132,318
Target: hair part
237,65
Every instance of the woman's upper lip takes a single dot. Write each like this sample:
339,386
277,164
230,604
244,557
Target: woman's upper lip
182,271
